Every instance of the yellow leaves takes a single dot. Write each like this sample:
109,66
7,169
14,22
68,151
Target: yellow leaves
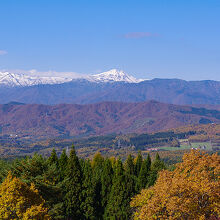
36,212
97,159
191,191
140,200
20,201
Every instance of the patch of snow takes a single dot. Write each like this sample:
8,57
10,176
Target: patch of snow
114,75
19,79
12,79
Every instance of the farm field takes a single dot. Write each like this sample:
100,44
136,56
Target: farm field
196,145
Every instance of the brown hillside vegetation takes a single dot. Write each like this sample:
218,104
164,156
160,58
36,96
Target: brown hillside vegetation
98,119
191,191
209,132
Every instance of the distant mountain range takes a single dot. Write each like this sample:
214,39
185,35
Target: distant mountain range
21,80
111,86
8,79
44,121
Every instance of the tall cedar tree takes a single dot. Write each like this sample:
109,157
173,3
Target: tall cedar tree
156,166
144,174
73,186
63,161
106,181
97,165
130,175
118,204
57,210
88,192
53,159
138,163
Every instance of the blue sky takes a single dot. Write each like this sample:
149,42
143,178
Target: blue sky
147,39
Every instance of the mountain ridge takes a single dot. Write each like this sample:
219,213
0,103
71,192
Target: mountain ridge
82,91
34,120
12,79
93,90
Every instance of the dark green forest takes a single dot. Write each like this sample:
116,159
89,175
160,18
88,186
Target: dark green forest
75,188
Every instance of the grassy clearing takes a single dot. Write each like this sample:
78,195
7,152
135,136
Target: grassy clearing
198,145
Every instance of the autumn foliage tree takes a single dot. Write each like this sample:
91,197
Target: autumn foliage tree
20,201
191,191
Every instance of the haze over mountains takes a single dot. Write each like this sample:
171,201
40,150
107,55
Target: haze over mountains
112,86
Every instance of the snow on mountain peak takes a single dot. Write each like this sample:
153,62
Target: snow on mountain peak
12,79
114,75
18,79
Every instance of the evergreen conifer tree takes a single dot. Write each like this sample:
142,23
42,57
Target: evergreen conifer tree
144,174
73,187
129,165
138,163
63,161
88,193
156,166
53,159
106,183
118,204
130,175
97,165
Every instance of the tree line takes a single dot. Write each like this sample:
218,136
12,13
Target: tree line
67,187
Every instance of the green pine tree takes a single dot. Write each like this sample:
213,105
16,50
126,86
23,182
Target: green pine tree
97,165
73,187
88,193
138,163
63,161
118,203
130,175
53,159
144,174
156,166
106,183
129,165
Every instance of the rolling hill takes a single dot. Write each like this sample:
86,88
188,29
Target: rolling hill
33,120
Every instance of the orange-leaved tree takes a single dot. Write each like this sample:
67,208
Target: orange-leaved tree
191,191
20,201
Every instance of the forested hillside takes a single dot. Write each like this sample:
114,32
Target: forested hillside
68,120
67,187
203,136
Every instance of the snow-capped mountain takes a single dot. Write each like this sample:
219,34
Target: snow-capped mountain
84,91
12,79
114,75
